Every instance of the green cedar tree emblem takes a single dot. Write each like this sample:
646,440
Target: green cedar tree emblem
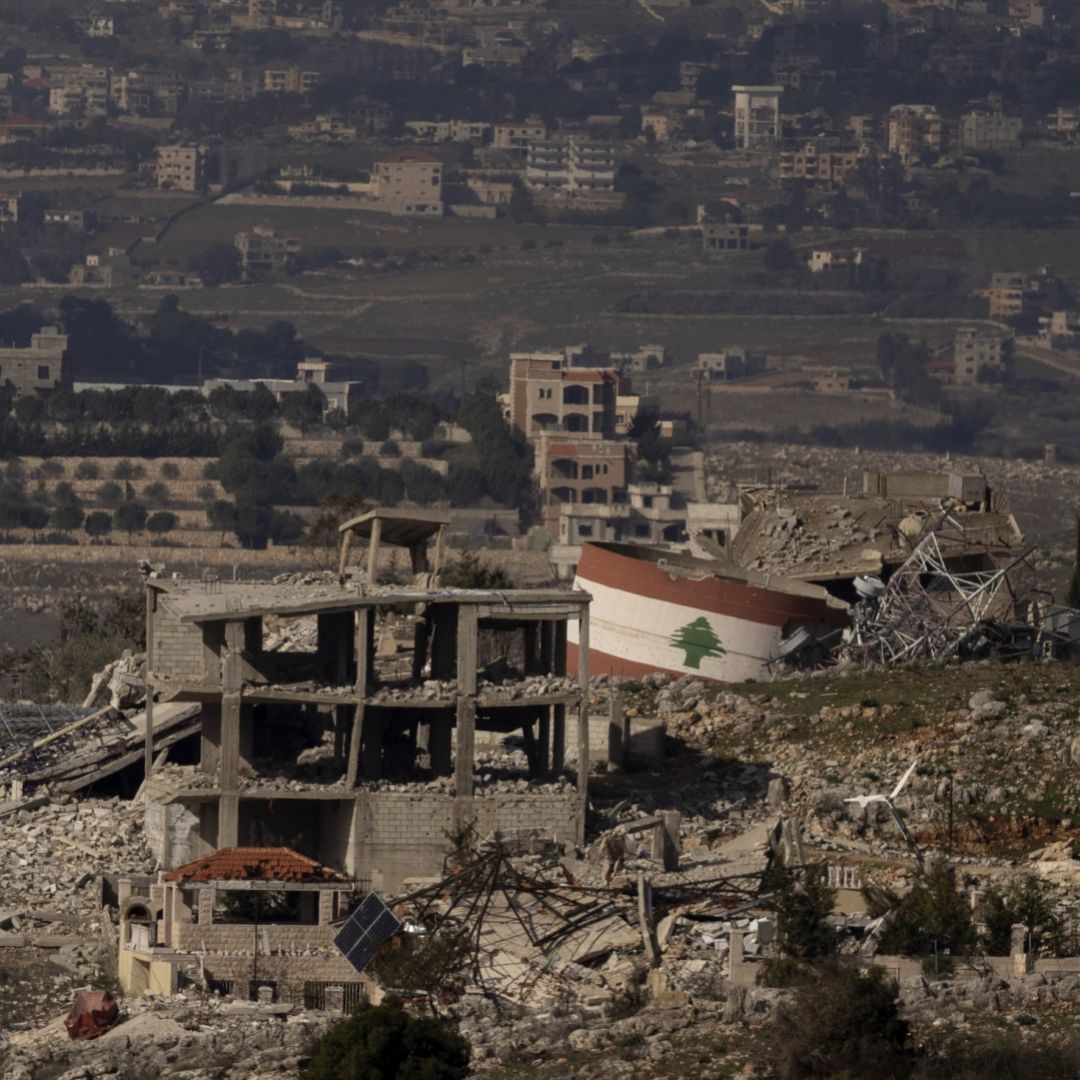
699,640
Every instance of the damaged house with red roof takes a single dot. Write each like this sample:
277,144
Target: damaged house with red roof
246,921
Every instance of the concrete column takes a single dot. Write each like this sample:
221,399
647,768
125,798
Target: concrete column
206,906
326,907
735,953
467,633
229,762
466,741
1021,958
373,551
123,890
228,819
583,711
361,627
210,739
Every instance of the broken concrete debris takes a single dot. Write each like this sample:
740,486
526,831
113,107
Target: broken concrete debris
433,747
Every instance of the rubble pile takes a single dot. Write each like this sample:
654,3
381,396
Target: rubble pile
197,1038
54,854
812,757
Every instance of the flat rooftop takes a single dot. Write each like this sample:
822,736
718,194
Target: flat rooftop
212,601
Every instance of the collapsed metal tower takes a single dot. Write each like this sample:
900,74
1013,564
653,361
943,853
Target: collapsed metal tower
946,593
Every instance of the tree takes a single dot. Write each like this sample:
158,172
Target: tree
803,910
164,521
221,515
779,256
97,524
1028,901
130,517
932,917
67,516
33,517
843,1022
384,1042
469,571
110,493
217,264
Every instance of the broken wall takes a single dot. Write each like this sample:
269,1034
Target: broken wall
404,835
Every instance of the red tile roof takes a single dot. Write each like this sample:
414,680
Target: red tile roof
18,120
588,376
253,864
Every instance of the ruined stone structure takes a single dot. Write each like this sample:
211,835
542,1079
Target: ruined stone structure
365,764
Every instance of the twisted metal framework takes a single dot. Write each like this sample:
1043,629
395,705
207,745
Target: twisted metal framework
489,901
931,605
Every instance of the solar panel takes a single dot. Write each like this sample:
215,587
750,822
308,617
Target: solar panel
365,930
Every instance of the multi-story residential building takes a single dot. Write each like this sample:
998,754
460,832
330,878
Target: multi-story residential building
1006,294
988,128
263,252
514,139
827,166
409,183
38,368
80,91
863,128
1011,293
290,80
757,117
645,513
580,469
977,352
180,166
148,93
571,164
547,394
913,130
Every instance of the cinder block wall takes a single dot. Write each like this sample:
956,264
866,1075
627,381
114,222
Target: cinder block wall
240,937
178,647
288,973
402,834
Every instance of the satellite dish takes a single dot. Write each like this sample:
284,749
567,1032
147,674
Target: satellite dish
798,641
869,587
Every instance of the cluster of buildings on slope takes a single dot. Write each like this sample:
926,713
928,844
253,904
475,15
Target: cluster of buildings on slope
576,408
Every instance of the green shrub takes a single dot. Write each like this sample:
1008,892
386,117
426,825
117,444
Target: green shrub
842,1022
384,1042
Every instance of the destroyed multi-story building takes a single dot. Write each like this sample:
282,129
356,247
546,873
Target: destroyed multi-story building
358,752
